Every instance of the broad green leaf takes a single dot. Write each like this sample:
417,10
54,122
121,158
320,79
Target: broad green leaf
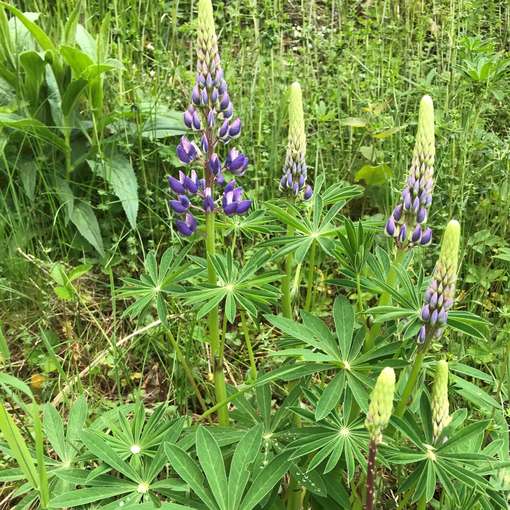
211,460
72,95
85,221
18,447
80,497
330,396
119,173
189,471
5,353
240,468
103,451
39,35
266,480
343,314
162,125
32,127
54,428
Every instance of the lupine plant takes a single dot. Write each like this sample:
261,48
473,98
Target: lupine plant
210,116
347,391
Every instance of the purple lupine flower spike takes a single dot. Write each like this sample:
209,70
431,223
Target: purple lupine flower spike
210,113
410,216
438,298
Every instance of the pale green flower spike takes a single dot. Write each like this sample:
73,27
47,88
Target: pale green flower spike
294,169
297,136
440,406
449,256
207,50
381,404
425,148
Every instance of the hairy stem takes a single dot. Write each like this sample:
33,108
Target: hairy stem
310,279
411,383
287,281
247,339
384,299
372,452
213,321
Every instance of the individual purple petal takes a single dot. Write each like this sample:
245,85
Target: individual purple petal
196,121
415,237
230,186
425,313
188,119
211,118
225,101
390,227
228,111
208,202
195,95
426,237
214,164
180,205
188,226
402,235
308,192
421,215
235,128
223,131
243,206
422,335
204,142
175,185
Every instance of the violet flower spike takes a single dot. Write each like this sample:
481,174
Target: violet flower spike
407,223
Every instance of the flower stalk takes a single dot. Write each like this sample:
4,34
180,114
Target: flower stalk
379,414
438,299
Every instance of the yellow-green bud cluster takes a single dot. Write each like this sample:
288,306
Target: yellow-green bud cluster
381,404
440,293
440,405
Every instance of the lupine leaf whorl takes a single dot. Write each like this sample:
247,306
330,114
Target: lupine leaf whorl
294,169
381,404
407,223
440,405
440,293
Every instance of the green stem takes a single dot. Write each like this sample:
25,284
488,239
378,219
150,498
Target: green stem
422,504
411,383
246,332
310,279
372,453
187,370
213,320
287,281
385,298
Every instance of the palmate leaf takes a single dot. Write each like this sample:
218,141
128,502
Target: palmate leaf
157,282
236,286
211,462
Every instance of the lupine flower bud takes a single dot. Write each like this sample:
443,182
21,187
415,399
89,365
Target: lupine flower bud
187,151
214,164
236,162
188,226
439,296
440,406
294,169
235,128
208,202
381,404
232,200
410,216
180,205
177,185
